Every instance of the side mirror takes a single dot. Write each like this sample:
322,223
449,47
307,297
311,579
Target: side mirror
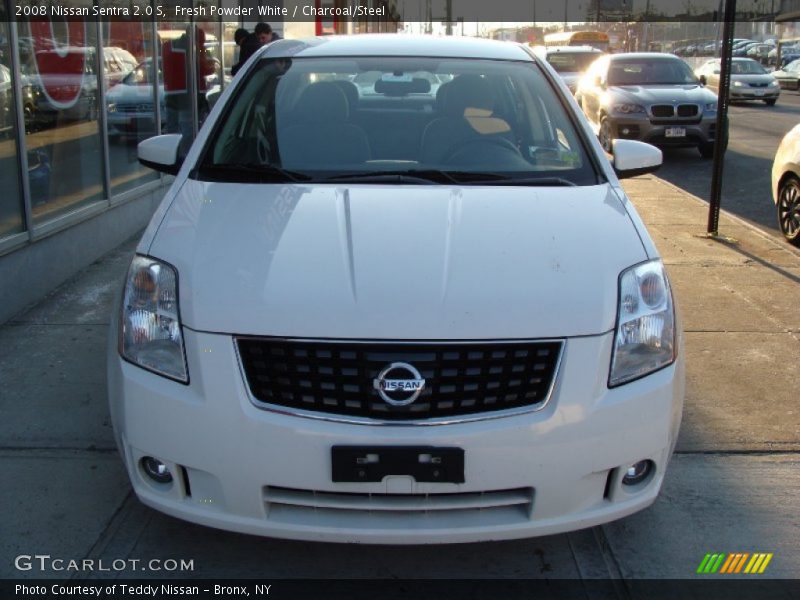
703,80
161,153
632,158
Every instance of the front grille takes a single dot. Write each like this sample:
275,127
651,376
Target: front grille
460,379
759,85
398,511
662,111
687,110
134,108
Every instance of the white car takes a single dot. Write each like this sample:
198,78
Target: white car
571,62
786,185
360,319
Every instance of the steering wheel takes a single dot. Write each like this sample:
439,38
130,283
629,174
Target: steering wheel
473,147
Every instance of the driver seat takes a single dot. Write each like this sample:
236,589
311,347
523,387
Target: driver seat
468,109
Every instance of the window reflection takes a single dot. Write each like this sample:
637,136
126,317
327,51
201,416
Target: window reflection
11,220
130,99
60,70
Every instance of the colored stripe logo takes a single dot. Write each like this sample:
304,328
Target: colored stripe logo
737,562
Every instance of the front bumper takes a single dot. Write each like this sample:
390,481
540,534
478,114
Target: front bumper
745,93
246,469
641,127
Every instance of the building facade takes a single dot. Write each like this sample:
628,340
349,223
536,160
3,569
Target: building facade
76,97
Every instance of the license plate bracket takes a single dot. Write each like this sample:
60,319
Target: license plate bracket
673,132
372,463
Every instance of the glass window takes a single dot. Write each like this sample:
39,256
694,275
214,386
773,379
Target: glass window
130,99
449,119
11,219
59,65
649,71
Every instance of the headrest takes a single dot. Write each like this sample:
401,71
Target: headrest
350,92
321,102
468,92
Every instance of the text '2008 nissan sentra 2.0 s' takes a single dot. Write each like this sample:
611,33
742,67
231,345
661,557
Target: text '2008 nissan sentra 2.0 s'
396,294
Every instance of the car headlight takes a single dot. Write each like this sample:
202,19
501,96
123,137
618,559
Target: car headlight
773,83
711,106
150,335
644,340
737,83
628,108
111,107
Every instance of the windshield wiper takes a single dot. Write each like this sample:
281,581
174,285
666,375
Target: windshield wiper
443,177
411,176
496,179
252,173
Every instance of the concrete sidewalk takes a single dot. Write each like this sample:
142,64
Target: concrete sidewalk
733,485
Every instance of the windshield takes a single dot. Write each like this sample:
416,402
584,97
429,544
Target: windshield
402,120
646,71
571,62
746,67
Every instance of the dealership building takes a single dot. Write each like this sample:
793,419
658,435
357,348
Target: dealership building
76,97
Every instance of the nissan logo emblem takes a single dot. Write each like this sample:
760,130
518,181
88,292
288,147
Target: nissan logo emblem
399,384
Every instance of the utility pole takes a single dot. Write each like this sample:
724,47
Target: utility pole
721,135
449,17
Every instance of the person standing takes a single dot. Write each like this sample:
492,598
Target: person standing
262,35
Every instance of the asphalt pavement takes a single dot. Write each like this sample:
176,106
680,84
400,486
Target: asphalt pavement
756,130
733,484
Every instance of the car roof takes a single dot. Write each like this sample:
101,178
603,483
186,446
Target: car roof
573,49
641,55
396,45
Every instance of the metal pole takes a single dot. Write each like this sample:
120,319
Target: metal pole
19,113
721,136
449,17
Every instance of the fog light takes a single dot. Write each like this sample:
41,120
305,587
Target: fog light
626,131
638,472
156,470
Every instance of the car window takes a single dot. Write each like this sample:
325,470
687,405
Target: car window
746,67
646,71
469,119
566,62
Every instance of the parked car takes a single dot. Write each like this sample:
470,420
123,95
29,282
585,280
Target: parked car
786,185
759,52
651,97
321,338
130,105
789,76
749,80
62,92
571,62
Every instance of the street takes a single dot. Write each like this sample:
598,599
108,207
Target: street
756,131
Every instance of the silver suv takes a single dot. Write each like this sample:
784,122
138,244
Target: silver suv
651,97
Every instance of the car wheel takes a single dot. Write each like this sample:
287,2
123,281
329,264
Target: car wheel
605,135
789,210
706,150
771,101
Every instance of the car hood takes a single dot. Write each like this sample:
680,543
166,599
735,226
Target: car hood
663,93
753,78
400,262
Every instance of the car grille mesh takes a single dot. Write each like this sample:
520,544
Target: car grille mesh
337,377
662,111
687,110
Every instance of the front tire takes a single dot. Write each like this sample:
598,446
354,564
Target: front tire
706,150
789,210
606,136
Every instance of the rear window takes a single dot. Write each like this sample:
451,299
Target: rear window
571,62
449,120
